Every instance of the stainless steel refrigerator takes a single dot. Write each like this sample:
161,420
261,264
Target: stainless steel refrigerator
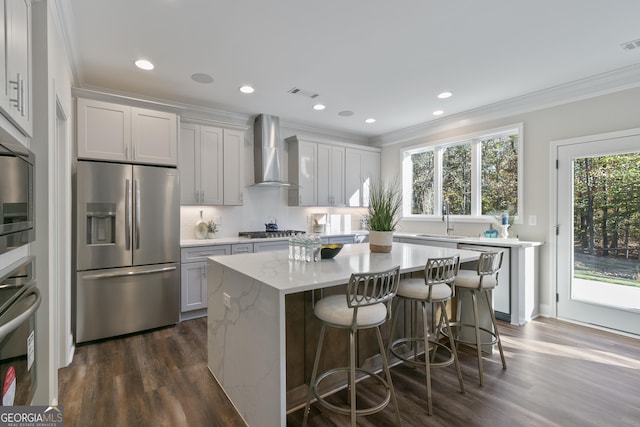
127,249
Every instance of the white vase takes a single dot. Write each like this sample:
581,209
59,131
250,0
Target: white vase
380,241
210,235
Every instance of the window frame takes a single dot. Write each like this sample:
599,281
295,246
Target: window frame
476,185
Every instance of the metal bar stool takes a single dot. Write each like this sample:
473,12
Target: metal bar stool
433,289
483,280
366,305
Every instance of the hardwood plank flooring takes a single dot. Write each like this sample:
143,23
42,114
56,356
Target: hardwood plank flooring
558,374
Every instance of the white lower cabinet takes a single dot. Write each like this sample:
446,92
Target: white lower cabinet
193,278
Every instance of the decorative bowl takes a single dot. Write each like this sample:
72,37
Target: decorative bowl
330,250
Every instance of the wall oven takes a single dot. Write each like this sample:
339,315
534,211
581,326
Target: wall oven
19,301
17,165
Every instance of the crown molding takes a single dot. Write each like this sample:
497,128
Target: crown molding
590,87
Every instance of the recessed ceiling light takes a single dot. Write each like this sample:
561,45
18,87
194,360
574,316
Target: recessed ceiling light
319,107
202,78
144,64
444,95
346,113
438,113
370,120
246,89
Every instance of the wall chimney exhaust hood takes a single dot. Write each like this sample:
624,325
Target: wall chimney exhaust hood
268,152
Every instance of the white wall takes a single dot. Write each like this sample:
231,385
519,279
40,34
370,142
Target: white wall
606,113
52,81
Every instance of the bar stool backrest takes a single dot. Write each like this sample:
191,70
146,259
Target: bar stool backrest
372,287
441,270
489,264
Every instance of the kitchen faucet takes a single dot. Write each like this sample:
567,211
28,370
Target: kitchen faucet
445,216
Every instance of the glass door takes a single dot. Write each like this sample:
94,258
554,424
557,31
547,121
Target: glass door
598,259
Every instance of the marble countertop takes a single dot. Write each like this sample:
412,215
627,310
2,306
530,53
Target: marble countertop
236,239
276,270
486,241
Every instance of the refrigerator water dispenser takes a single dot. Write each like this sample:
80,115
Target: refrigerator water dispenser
101,223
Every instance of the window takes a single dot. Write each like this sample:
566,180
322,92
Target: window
478,175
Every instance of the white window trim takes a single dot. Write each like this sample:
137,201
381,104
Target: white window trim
438,146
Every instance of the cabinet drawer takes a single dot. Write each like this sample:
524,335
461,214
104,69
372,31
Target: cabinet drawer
270,246
201,253
241,248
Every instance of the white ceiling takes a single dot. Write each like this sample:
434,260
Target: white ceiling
378,58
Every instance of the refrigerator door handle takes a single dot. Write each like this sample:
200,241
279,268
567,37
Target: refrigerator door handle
127,216
138,206
127,273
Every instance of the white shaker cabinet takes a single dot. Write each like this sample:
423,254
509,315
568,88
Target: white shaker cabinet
303,164
114,132
330,175
15,63
211,165
193,277
362,169
233,167
200,165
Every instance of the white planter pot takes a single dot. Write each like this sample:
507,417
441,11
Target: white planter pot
380,241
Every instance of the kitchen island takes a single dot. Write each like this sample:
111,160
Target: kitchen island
247,345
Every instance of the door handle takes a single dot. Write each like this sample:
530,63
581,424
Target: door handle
15,323
127,273
127,216
138,205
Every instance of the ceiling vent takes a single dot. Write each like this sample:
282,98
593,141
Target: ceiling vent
305,93
633,44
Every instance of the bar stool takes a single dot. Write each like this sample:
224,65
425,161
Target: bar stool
366,305
483,280
433,289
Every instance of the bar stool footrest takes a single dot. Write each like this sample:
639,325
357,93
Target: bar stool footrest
346,409
418,363
457,327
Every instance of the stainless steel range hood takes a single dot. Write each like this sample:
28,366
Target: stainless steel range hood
268,152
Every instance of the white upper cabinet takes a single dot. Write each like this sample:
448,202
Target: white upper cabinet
200,163
233,182
154,137
303,164
15,63
108,131
330,175
363,169
211,165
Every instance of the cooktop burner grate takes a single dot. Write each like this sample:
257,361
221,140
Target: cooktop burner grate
267,234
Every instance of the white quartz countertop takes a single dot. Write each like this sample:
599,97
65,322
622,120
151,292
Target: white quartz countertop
484,241
236,239
276,270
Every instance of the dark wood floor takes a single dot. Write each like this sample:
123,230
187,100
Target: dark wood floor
559,374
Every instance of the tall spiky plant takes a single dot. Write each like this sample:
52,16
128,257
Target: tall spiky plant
385,202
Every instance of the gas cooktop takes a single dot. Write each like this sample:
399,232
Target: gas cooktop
266,234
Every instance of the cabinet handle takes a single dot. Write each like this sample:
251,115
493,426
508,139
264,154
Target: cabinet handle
17,100
21,108
126,153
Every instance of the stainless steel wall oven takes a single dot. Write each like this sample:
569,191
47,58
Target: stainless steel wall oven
17,166
19,301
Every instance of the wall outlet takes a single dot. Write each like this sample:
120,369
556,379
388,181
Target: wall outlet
533,220
226,299
217,220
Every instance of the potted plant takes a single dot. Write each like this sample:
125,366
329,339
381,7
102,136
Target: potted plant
212,228
385,202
